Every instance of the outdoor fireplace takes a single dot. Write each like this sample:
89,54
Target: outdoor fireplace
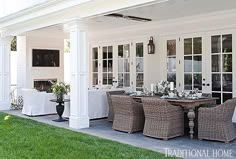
44,84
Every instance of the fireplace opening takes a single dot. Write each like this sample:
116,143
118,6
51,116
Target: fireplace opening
44,84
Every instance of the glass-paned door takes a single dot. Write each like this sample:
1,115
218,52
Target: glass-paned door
193,63
221,67
124,65
107,65
139,66
95,66
171,60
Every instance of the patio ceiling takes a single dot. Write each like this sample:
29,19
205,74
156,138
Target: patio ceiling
158,12
170,9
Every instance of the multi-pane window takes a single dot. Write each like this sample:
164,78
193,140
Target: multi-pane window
95,66
193,63
221,67
171,61
124,65
139,66
107,65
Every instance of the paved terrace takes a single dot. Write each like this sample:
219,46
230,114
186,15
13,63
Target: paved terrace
103,128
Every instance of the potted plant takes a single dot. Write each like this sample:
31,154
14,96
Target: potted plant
59,89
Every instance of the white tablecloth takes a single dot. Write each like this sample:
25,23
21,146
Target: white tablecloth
37,103
97,103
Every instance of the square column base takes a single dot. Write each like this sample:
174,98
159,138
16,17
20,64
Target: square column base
79,122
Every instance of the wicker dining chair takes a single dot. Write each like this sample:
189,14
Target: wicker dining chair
128,114
162,120
215,123
111,112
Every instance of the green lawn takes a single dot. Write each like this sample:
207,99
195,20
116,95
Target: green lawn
27,139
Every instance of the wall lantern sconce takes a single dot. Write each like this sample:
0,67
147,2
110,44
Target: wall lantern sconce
151,46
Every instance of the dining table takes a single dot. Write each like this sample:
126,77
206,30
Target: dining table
190,105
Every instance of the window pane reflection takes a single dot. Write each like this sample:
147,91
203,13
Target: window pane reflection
126,65
110,78
188,64
227,43
188,81
104,80
227,82
104,64
120,65
197,45
188,46
218,97
139,65
139,80
171,64
197,81
216,82
139,50
120,79
197,64
126,51
126,80
110,65
120,51
227,62
215,63
95,53
95,78
216,44
95,66
171,47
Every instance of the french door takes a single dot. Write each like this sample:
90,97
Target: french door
203,62
221,66
121,62
102,65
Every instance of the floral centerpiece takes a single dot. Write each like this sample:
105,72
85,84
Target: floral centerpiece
163,87
59,89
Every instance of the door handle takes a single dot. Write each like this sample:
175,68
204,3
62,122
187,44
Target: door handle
208,84
203,84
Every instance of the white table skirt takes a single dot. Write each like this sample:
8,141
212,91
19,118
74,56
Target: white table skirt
37,103
97,104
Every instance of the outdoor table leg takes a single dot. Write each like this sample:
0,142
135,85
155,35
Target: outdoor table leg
191,116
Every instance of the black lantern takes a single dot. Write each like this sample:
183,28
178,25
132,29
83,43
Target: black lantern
151,46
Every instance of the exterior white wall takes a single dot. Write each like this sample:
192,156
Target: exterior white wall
155,65
26,73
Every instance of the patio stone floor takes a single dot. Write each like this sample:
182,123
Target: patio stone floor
102,128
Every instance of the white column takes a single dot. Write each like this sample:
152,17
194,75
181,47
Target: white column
5,44
79,76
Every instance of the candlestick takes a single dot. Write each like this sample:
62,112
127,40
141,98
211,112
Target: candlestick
171,86
152,87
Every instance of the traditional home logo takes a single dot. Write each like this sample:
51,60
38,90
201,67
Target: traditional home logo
199,153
